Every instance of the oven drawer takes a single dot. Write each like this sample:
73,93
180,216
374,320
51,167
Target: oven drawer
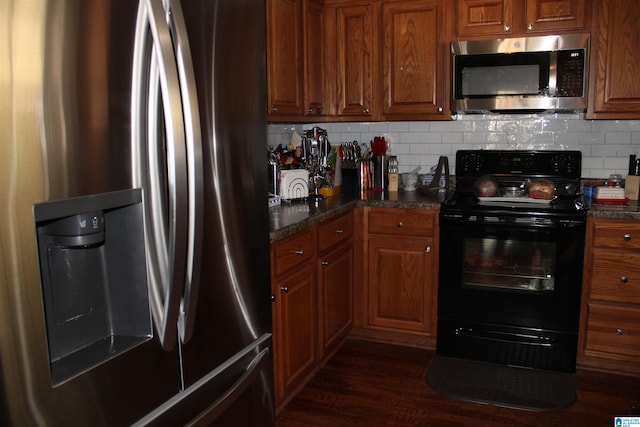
335,231
294,250
616,234
616,276
613,329
401,222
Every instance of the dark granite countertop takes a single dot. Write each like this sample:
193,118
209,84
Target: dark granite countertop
629,210
290,217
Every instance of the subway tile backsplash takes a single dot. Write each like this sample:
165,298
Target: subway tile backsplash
605,144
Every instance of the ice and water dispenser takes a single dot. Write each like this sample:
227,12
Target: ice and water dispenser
94,280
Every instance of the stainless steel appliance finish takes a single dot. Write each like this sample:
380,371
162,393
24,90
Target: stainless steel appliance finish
168,96
546,73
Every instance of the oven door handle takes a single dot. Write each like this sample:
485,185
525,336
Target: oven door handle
489,335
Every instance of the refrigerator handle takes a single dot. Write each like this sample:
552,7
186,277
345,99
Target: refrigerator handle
158,168
213,411
191,110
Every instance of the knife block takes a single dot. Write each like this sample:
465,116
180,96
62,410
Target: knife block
632,187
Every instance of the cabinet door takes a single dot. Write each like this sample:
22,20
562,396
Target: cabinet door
355,61
335,285
284,57
554,15
401,283
413,65
615,90
314,59
294,331
482,17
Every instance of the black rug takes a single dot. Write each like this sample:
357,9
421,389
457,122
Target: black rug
500,385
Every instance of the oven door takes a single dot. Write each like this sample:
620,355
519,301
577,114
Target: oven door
520,271
509,289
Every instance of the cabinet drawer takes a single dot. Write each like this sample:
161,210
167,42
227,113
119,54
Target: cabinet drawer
402,222
294,250
617,234
335,231
614,330
616,276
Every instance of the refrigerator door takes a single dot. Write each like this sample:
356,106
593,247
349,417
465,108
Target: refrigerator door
233,309
65,71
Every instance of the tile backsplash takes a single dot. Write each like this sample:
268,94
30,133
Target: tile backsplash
605,144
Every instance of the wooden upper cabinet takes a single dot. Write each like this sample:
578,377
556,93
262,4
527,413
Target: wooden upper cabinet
519,17
614,89
478,17
555,15
413,59
315,96
355,61
284,59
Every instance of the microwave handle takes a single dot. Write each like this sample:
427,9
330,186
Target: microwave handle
553,74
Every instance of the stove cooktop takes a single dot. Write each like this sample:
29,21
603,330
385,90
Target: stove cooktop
514,168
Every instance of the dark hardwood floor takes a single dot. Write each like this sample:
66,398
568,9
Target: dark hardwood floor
372,384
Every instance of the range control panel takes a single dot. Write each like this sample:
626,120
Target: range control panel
528,163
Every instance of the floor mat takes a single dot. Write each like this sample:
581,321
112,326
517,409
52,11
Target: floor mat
500,385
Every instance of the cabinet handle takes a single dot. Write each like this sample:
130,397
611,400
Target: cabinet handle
624,279
309,110
365,111
529,26
274,109
284,289
427,249
339,231
619,332
273,298
627,237
439,109
507,27
325,263
399,224
299,252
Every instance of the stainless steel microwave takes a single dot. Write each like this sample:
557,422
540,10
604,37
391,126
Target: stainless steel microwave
548,73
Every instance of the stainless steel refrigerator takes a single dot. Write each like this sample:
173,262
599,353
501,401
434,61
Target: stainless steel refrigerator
140,126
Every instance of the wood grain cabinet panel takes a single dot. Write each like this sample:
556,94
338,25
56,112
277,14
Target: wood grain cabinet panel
355,60
614,331
284,59
412,58
610,312
484,17
335,296
555,15
614,89
400,285
513,18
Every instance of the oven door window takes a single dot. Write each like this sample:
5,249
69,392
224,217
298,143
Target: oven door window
509,265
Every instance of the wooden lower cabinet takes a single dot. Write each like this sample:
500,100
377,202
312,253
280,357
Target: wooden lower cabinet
400,294
610,317
401,270
312,294
335,296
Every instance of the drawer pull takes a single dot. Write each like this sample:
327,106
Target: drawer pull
427,249
399,224
627,237
325,263
299,252
619,332
624,279
273,298
284,289
339,231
